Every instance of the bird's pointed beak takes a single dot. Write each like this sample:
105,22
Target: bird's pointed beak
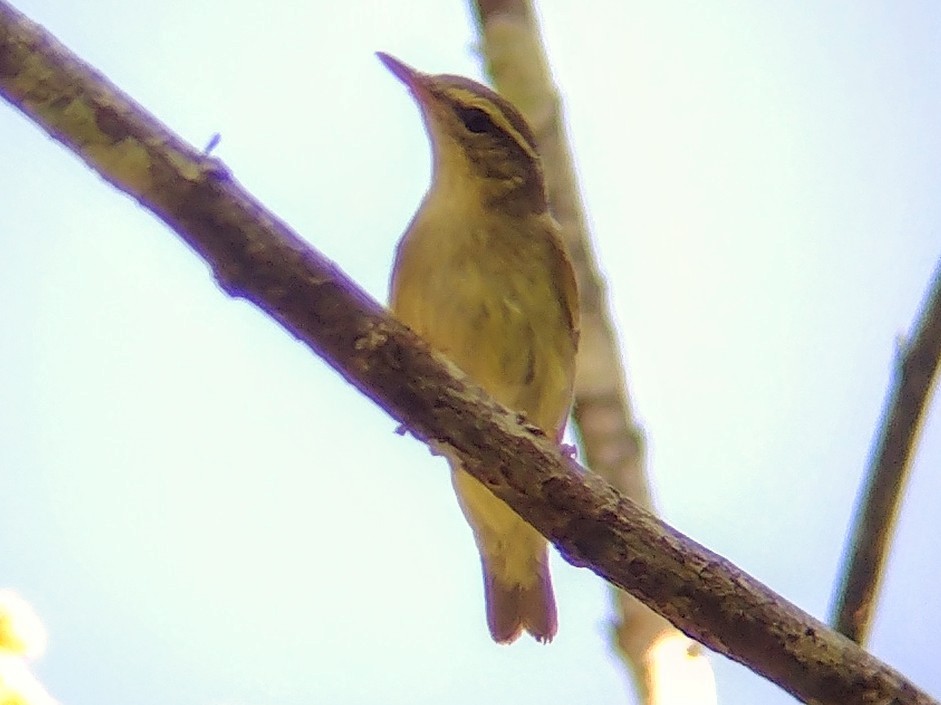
414,79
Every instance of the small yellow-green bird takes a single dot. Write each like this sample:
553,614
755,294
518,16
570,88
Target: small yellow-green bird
482,274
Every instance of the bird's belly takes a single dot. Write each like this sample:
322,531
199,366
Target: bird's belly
497,330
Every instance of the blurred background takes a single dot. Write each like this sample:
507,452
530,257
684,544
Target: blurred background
202,512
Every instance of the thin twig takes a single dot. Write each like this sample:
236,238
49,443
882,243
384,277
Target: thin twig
257,257
655,653
888,469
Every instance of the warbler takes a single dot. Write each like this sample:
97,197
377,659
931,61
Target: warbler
482,274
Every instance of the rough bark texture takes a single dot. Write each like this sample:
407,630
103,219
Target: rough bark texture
255,256
888,470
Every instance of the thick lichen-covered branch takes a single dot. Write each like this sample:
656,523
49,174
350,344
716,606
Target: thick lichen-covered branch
257,257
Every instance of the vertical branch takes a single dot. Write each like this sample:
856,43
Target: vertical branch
888,470
658,655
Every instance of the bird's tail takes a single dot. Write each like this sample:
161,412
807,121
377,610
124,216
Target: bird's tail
513,607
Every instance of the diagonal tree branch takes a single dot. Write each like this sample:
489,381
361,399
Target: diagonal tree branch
888,469
257,257
657,655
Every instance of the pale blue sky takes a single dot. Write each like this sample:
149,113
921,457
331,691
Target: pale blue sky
204,513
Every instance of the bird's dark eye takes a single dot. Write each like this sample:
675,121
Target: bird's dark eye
475,120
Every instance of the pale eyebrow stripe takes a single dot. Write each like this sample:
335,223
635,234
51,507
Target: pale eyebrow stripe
507,117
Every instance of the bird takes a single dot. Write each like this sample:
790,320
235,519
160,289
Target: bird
482,274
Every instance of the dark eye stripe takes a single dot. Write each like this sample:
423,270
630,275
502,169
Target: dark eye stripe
458,90
476,120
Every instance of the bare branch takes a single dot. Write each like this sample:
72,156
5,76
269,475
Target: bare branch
257,257
888,469
611,438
